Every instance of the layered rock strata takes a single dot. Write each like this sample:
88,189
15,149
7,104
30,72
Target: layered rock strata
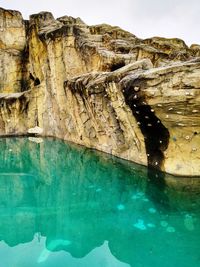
101,87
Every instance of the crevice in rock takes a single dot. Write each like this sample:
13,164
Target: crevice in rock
36,80
156,135
117,66
31,77
123,50
25,83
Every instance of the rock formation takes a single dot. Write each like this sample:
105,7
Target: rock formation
101,87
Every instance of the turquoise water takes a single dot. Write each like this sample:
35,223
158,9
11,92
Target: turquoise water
63,205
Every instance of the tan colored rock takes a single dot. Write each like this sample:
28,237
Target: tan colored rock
36,130
173,93
12,44
101,87
12,28
195,49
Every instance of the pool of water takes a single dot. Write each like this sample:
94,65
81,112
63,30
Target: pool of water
63,205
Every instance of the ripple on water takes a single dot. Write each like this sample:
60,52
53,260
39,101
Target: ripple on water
164,223
91,186
140,225
137,195
98,190
170,229
151,225
120,207
152,210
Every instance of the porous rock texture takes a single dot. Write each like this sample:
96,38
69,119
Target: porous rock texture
101,87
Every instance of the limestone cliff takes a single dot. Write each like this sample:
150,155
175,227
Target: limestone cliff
101,87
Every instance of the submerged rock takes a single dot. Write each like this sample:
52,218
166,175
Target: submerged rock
101,87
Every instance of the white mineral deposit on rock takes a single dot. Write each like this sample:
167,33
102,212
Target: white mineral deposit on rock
36,130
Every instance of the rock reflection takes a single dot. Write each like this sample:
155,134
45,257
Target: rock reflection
78,198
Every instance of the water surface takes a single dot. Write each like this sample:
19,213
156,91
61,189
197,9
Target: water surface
64,205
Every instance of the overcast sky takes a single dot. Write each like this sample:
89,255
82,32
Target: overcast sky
144,18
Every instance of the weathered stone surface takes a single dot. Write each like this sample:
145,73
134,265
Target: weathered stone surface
36,130
12,44
101,87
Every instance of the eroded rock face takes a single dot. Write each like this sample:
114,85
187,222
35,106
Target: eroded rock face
12,44
101,87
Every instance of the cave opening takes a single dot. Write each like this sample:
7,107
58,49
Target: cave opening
156,135
35,80
117,66
31,77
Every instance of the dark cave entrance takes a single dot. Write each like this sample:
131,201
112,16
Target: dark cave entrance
156,135
36,80
117,66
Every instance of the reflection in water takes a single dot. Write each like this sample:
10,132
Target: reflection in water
53,246
87,203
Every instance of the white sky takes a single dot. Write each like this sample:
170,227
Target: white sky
144,18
